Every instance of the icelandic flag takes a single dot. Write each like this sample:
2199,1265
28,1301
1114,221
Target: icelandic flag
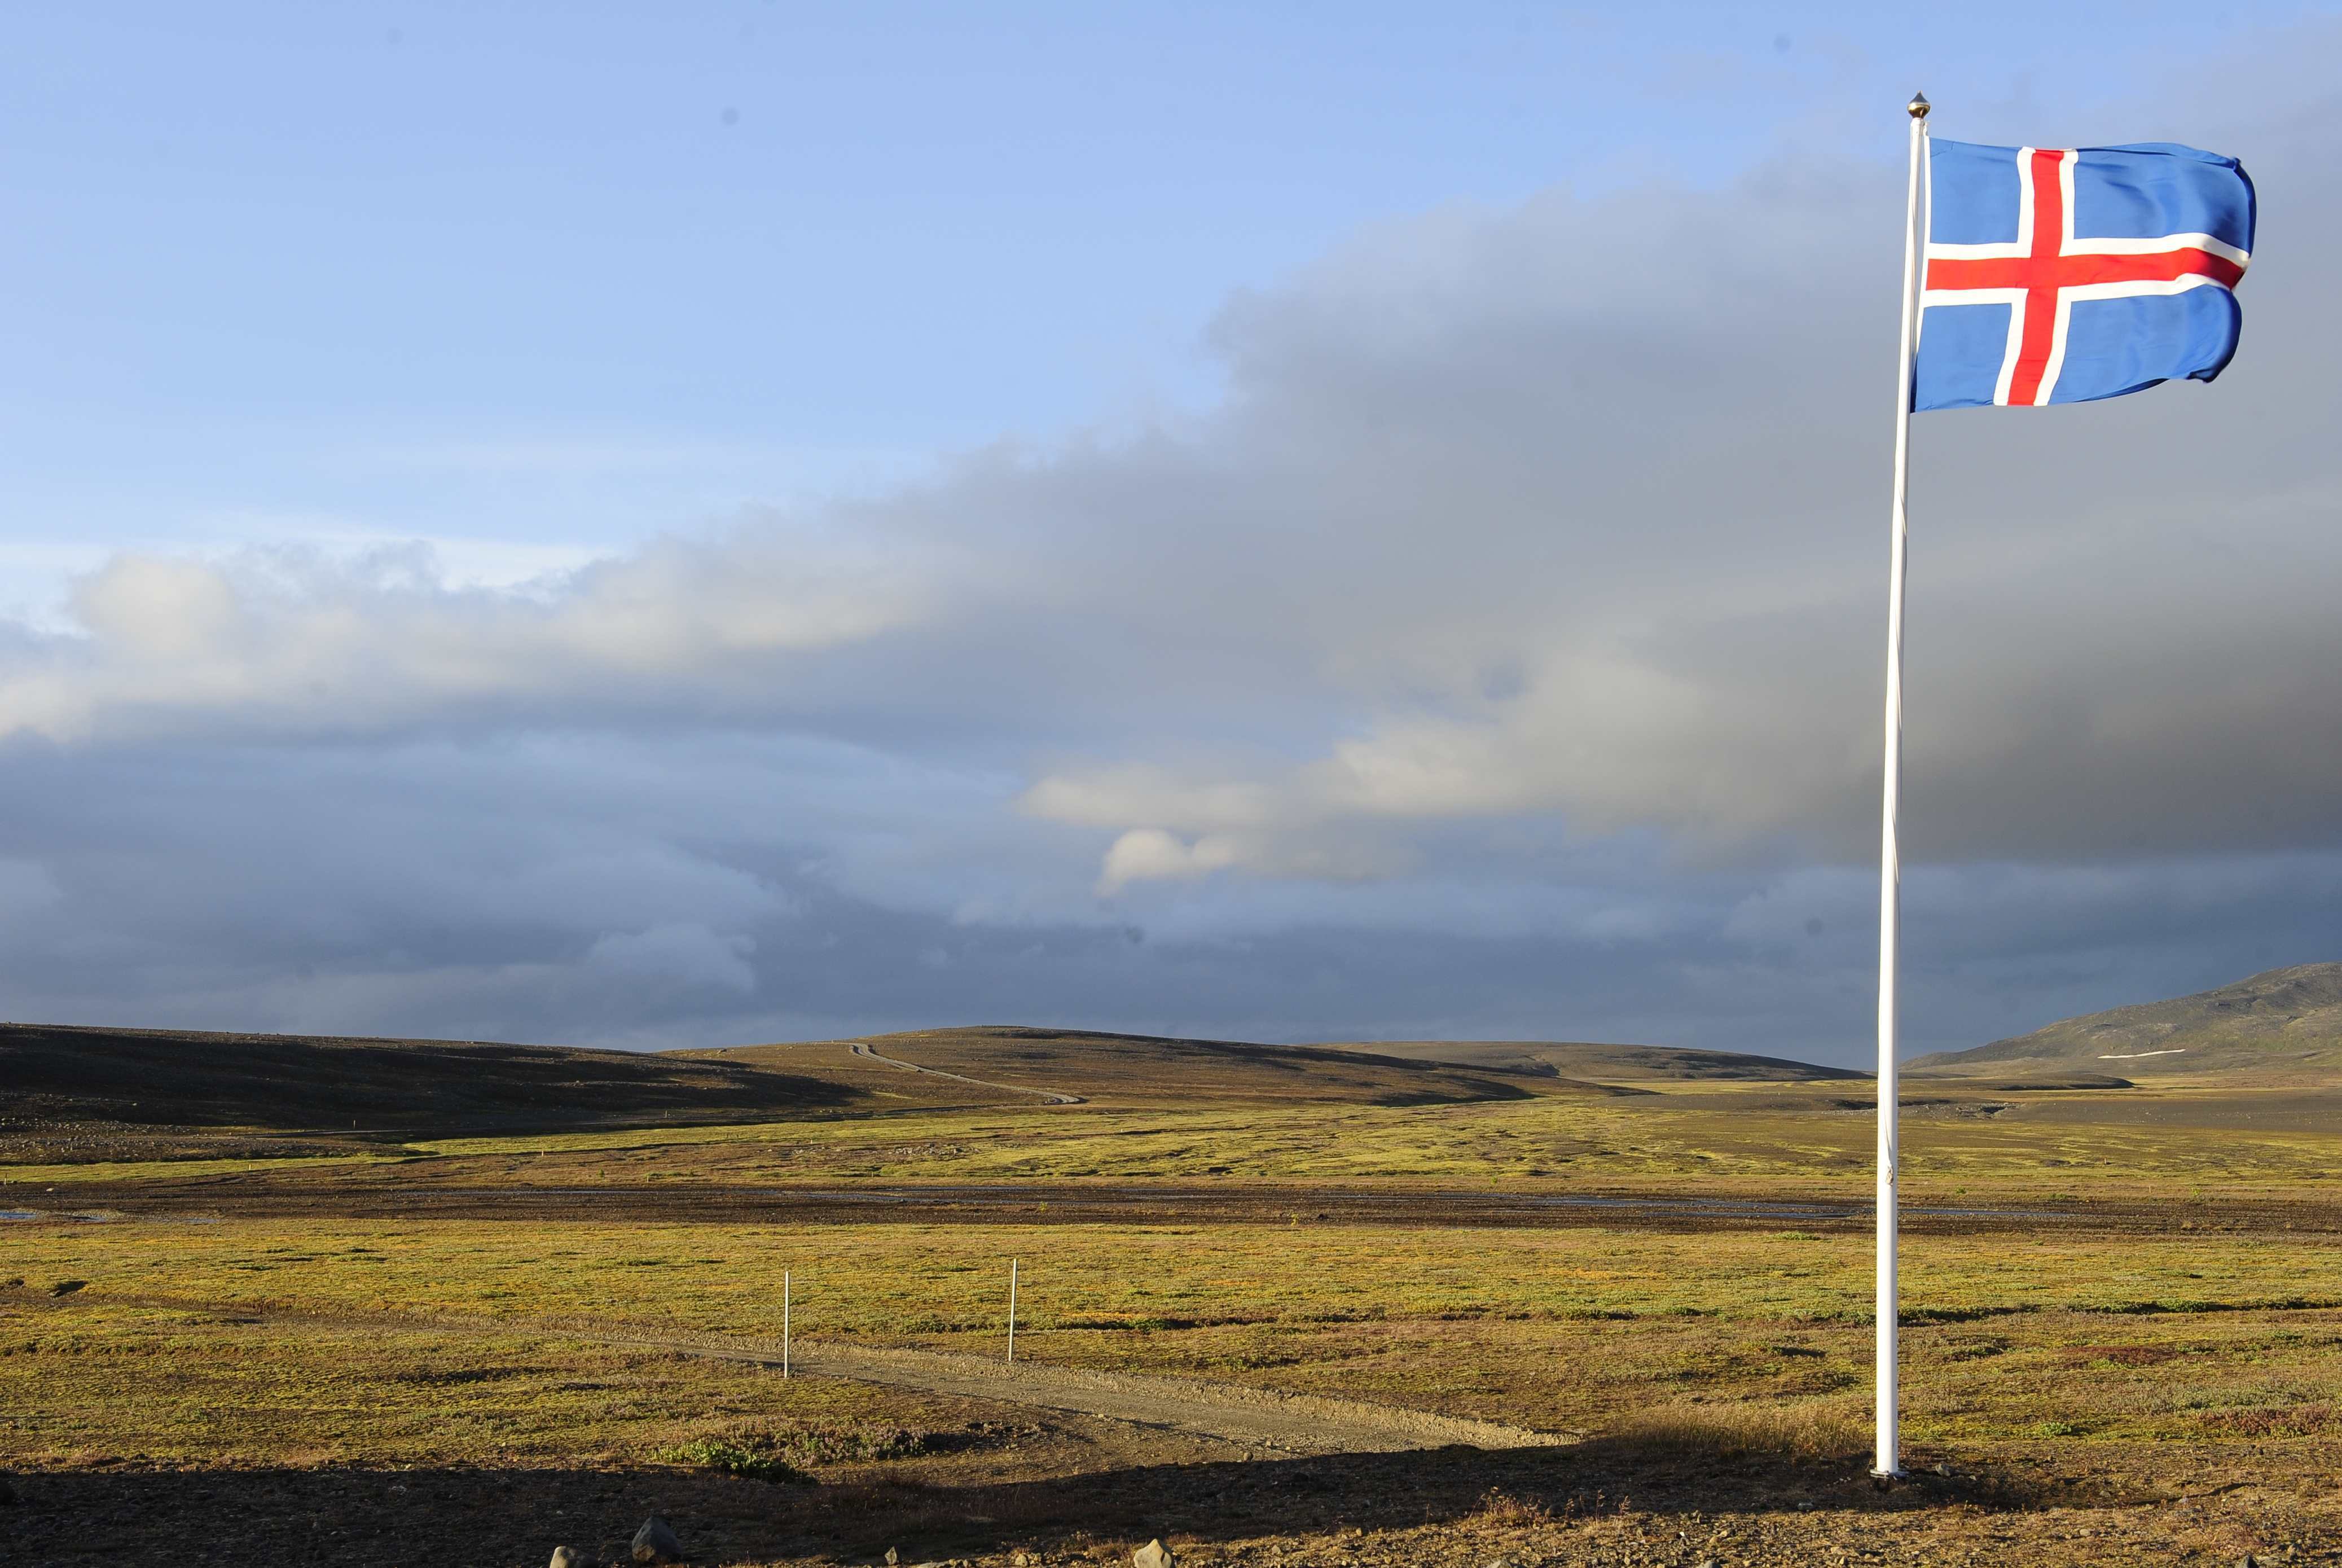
2061,274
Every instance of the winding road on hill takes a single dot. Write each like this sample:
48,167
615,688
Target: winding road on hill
1047,1096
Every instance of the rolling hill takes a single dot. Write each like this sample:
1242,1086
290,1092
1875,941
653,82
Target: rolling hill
2284,1026
1605,1063
74,1094
1122,1068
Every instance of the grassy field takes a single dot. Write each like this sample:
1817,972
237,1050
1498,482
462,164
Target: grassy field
2199,1336
1741,1139
109,1382
2159,1389
2077,1375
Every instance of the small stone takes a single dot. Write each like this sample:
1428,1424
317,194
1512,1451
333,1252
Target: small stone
1154,1555
655,1542
570,1557
893,1557
1707,1562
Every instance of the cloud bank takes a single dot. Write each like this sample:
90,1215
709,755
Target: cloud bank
1500,655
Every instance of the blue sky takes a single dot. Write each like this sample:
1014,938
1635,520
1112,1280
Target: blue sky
392,390
562,276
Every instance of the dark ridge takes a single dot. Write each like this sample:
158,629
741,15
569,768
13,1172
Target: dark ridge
190,1078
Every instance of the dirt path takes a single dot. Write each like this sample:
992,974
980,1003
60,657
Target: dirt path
1048,1096
1260,1419
1255,1418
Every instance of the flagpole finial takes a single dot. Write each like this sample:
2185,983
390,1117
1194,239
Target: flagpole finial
1918,106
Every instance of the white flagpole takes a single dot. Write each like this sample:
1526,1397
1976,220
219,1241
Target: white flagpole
1889,1460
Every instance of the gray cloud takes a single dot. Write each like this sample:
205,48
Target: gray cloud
1499,656
709,889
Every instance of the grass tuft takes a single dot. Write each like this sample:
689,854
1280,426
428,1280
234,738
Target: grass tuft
2282,1421
734,1457
1500,1510
1796,1431
859,1444
778,1454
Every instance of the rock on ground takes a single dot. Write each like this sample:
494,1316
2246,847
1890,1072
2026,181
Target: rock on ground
655,1542
570,1557
1154,1555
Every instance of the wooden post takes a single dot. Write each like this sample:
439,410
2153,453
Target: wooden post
1012,1311
784,1324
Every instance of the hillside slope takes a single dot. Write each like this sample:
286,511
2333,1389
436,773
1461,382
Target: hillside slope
53,1074
1122,1068
1607,1063
74,1094
2281,1027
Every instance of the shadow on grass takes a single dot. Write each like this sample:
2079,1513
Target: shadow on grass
1225,1501
359,1518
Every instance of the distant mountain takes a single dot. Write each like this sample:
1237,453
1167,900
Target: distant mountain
1586,1061
2282,1027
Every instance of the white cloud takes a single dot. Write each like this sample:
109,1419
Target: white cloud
1149,853
295,641
1493,524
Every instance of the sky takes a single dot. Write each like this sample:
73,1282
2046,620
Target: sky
693,525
